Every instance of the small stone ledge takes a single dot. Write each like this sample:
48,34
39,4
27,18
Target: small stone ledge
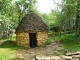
67,56
48,58
75,53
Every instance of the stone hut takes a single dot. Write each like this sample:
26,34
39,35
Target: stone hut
31,31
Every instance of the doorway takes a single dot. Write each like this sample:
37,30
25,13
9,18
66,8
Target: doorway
33,40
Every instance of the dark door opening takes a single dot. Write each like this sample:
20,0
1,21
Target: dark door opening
33,40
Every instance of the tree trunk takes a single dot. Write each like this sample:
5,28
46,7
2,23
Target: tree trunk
60,29
65,29
78,21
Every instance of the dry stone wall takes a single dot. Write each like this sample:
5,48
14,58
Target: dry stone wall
41,38
22,39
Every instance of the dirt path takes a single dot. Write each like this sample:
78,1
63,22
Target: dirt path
50,50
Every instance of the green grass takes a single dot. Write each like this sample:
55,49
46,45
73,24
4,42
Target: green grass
5,54
6,50
70,42
72,47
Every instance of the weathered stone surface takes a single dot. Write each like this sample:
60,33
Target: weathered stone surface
70,54
78,52
55,57
76,56
31,22
48,58
41,38
42,57
22,38
75,59
63,57
66,57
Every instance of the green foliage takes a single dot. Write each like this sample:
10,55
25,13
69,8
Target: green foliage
64,17
49,19
49,41
11,13
70,42
24,7
70,38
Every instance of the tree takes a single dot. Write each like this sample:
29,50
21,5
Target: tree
25,6
78,19
67,15
11,14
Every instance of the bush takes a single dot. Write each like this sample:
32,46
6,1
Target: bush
49,41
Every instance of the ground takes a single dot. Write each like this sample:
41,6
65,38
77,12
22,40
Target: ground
54,46
52,49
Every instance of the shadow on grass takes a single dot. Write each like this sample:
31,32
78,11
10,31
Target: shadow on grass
12,45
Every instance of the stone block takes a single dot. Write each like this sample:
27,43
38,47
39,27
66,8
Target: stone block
66,57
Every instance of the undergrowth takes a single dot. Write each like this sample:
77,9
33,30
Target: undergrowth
70,42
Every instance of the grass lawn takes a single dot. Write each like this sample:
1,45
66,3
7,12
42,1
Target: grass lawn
5,53
7,50
70,42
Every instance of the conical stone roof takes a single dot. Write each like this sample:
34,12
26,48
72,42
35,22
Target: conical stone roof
31,22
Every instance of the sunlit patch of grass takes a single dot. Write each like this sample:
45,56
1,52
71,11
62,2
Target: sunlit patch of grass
7,48
5,53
